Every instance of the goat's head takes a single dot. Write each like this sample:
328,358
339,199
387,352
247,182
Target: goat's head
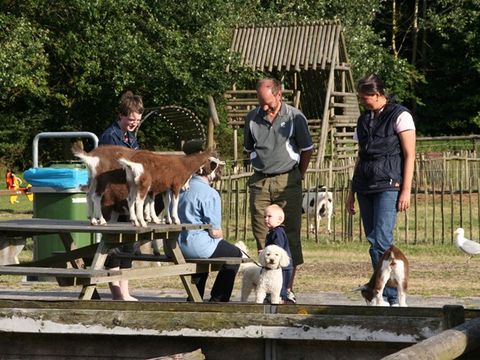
367,293
212,168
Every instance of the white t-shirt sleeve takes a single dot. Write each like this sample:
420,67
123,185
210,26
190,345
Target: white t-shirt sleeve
404,122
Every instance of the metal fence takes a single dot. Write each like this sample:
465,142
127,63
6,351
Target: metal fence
445,196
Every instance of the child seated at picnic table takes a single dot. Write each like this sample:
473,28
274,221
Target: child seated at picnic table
274,217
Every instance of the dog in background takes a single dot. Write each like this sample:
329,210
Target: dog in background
318,204
266,278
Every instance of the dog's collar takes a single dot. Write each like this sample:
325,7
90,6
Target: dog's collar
269,269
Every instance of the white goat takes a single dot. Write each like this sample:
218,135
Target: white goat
392,270
318,204
160,174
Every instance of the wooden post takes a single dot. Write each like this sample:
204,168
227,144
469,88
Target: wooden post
325,119
212,122
235,145
449,344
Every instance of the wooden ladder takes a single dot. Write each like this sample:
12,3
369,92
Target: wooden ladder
344,113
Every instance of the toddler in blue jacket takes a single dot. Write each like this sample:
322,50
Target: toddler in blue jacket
274,217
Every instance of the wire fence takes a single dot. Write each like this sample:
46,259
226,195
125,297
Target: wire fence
445,196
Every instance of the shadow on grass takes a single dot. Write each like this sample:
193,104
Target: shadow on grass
9,213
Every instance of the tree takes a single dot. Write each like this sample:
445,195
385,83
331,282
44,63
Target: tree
65,63
452,69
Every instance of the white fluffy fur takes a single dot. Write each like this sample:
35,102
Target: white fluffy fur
266,279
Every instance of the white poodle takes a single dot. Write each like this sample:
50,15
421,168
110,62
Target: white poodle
266,279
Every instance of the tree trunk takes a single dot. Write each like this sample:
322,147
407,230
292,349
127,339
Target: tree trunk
394,29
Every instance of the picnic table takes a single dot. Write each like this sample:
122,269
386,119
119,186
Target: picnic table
88,274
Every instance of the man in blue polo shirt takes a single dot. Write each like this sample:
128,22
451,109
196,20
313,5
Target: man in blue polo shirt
279,145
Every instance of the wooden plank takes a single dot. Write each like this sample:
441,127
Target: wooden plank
63,258
225,320
60,272
50,226
164,258
183,270
274,45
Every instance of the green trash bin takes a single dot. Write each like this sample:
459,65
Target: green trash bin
52,203
57,194
58,202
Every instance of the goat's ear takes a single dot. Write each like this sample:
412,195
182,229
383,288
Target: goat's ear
360,288
201,170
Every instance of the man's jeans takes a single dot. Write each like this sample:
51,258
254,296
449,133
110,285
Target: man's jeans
379,214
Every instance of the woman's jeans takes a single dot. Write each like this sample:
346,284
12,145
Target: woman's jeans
379,215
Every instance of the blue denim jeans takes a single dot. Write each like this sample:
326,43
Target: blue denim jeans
379,215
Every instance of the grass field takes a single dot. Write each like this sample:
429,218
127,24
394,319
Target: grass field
436,270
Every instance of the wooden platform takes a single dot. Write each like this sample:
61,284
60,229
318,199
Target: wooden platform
142,330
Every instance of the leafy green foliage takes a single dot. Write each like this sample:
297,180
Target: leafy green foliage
64,64
452,69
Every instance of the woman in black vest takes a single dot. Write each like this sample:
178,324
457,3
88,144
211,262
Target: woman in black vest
383,173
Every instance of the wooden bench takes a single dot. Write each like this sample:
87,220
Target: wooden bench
79,276
214,264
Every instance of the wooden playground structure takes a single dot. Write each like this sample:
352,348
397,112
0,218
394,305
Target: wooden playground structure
312,62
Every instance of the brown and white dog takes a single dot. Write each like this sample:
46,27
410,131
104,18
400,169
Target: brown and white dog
392,270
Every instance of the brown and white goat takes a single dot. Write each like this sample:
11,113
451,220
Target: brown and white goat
160,174
107,184
392,270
